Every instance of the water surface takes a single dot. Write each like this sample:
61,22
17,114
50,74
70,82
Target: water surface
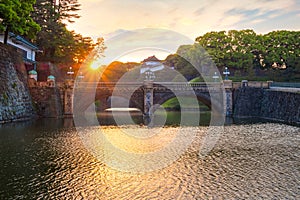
46,159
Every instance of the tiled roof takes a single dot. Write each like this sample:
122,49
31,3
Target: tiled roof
151,58
23,41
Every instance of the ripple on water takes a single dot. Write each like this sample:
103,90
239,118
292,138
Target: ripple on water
248,162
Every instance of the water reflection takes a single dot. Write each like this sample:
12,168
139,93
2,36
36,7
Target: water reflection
46,159
160,118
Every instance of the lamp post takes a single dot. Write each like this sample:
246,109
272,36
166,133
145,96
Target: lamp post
226,73
70,73
80,76
79,79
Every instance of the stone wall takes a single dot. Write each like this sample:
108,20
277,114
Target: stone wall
267,104
47,101
282,106
15,100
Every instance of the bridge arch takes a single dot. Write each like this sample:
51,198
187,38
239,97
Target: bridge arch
202,97
131,102
101,104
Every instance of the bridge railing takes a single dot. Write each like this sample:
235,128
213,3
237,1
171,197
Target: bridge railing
159,85
106,84
183,84
254,84
258,84
187,86
166,84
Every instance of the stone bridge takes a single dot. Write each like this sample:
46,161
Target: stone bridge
240,99
146,96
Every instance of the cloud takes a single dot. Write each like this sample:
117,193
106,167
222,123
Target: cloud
156,41
192,18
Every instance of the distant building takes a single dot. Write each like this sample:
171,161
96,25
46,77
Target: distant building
24,47
151,64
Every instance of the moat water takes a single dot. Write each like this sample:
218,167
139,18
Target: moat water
47,159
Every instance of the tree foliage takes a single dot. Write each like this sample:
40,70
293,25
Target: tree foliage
243,52
282,49
115,70
15,17
66,10
58,44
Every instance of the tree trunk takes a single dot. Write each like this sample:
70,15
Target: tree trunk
6,35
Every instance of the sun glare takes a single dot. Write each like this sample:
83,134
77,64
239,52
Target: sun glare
95,66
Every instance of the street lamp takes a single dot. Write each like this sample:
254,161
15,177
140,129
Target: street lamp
226,73
80,76
70,72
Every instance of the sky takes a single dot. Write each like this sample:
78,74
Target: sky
191,18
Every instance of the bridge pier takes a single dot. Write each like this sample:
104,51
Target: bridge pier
148,98
68,98
228,98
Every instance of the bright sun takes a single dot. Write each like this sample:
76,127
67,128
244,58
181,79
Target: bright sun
95,66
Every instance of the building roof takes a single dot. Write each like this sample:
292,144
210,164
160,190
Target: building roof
18,39
151,64
32,72
51,77
151,58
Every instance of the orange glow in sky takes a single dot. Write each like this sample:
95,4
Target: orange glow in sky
95,66
191,18
139,56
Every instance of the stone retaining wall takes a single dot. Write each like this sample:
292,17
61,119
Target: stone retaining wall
15,100
267,104
47,100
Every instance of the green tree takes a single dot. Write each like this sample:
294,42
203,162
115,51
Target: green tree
15,17
239,56
190,61
246,54
46,11
232,49
66,10
217,45
249,53
58,44
282,47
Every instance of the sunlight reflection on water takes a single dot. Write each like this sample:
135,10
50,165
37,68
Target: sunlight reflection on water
249,161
